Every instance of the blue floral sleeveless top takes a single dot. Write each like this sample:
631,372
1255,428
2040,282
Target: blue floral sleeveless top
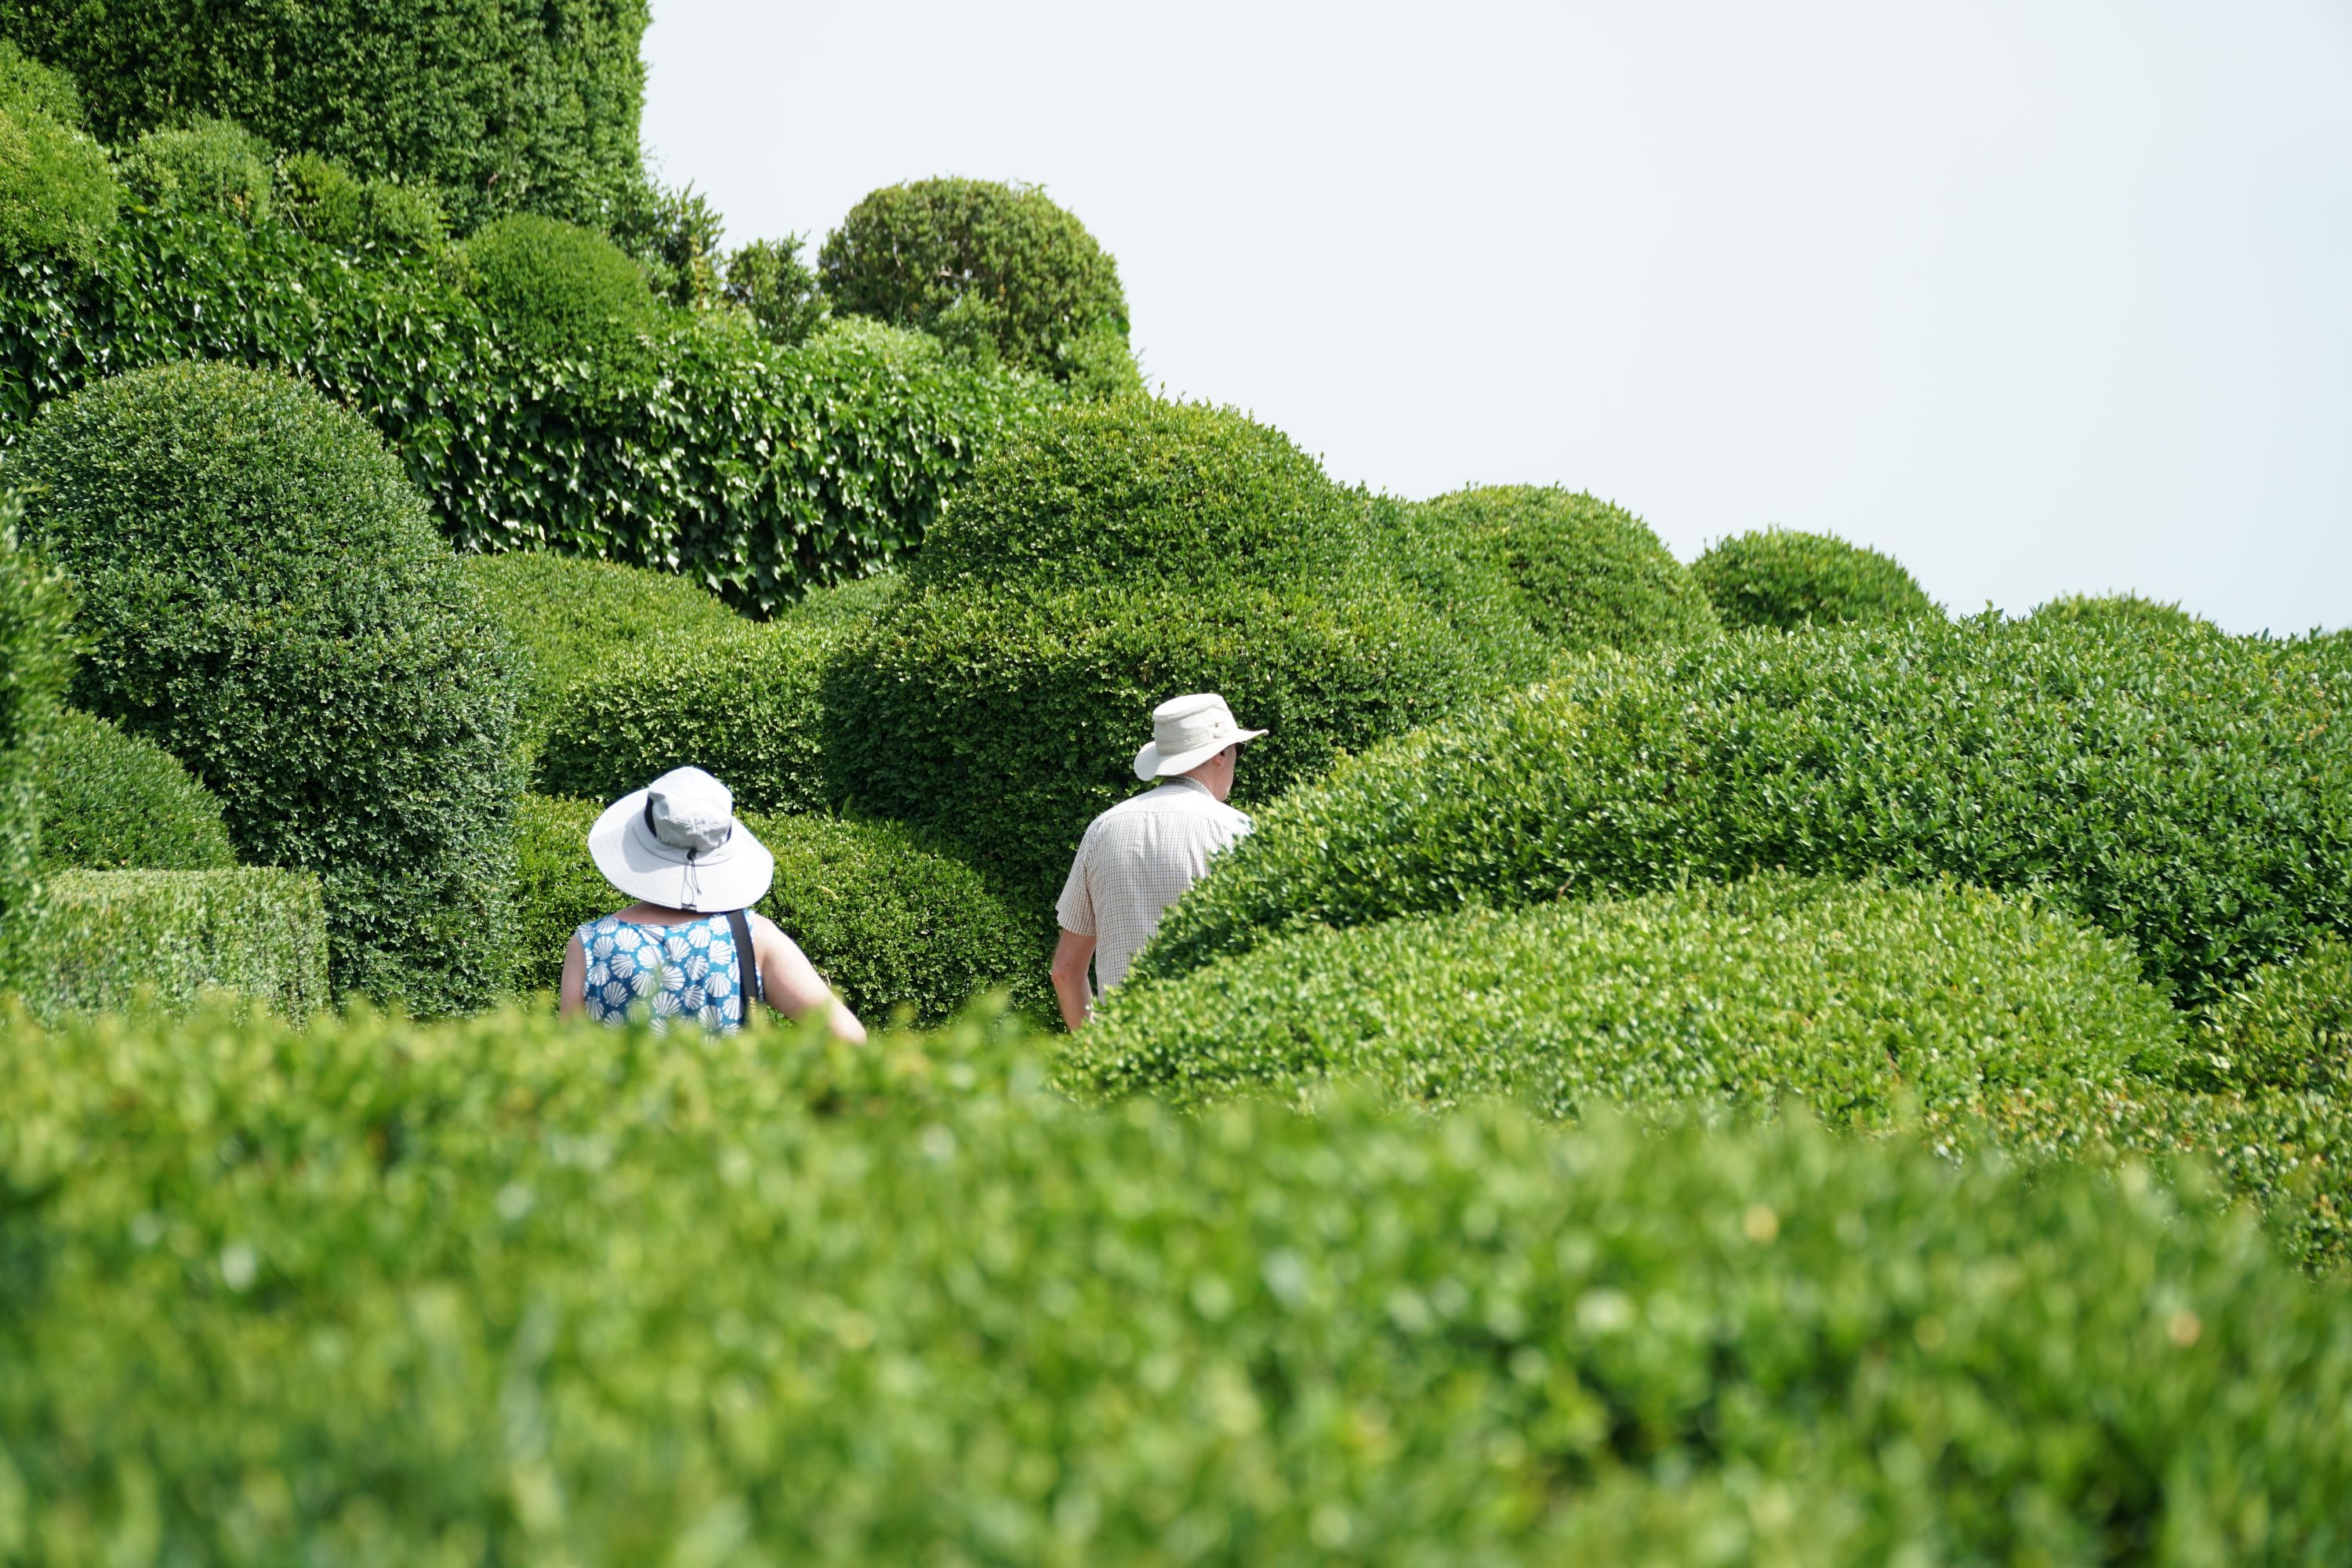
663,973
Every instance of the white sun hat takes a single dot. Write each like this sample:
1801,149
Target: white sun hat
1187,732
677,842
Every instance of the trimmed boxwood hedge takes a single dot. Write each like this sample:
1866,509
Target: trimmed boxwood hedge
211,166
112,801
742,701
565,1291
262,593
57,191
564,290
2192,793
2290,1028
886,920
117,940
1005,724
1782,579
2120,612
1851,998
36,659
1586,574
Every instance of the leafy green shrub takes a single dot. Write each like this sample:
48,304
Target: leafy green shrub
673,233
506,108
26,83
1587,574
2192,794
1173,496
35,657
262,593
1845,997
57,191
1005,725
711,454
213,165
743,702
840,603
768,279
983,262
334,207
2119,612
113,939
559,288
887,922
116,802
2289,1029
1783,579
525,1279
566,618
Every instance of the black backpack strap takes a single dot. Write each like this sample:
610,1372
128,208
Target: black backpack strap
747,961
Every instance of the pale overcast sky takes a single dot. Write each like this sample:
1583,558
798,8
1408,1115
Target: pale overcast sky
2038,297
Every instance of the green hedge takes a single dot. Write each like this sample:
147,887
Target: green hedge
1848,998
998,269
755,471
35,660
112,801
507,108
566,291
58,191
744,702
262,593
211,166
1140,493
2192,792
1005,724
2289,1029
2120,612
114,939
1587,574
564,1292
1782,579
566,618
886,920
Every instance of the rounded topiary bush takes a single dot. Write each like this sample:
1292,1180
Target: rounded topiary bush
212,165
334,207
558,289
1005,724
1851,998
59,194
263,593
984,264
742,701
1587,574
2192,793
886,920
2289,1027
2119,613
1170,496
112,801
1782,579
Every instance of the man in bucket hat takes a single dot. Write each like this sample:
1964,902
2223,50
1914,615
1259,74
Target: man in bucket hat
1139,856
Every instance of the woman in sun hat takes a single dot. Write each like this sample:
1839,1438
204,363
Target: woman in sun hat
690,946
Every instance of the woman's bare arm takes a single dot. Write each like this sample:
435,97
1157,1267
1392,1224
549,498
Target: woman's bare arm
573,999
794,987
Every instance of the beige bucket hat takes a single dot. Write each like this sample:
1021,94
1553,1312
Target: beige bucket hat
677,842
1187,732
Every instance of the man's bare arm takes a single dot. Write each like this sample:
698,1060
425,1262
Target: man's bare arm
1071,956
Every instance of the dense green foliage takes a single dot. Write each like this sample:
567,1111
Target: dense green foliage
1005,724
114,939
112,801
2120,612
35,661
26,83
567,618
768,279
261,592
755,471
331,205
743,702
852,601
565,291
1174,495
2289,1029
997,269
1851,998
2190,793
57,191
887,922
561,1291
211,166
1585,573
1782,579
507,108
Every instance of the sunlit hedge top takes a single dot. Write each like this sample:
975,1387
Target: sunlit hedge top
2192,793
113,801
1783,579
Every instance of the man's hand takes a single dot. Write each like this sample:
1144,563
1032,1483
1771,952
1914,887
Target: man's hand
1071,956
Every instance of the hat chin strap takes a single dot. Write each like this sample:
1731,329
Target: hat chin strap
689,885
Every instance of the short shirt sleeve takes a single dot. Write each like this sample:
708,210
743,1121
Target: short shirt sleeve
1076,908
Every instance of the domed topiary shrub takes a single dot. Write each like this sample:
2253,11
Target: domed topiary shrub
558,289
2120,612
1171,496
334,207
213,165
980,263
1849,997
262,592
2189,793
1587,574
1784,580
113,802
58,191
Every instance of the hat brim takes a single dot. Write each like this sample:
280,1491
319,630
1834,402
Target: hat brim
735,876
1151,765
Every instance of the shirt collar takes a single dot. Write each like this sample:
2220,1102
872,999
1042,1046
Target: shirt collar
1189,784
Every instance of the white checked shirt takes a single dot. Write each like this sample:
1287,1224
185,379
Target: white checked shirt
1137,859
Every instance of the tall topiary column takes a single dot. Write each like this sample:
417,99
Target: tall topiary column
33,615
263,593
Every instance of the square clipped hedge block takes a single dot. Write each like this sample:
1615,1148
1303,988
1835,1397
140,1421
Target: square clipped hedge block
111,938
